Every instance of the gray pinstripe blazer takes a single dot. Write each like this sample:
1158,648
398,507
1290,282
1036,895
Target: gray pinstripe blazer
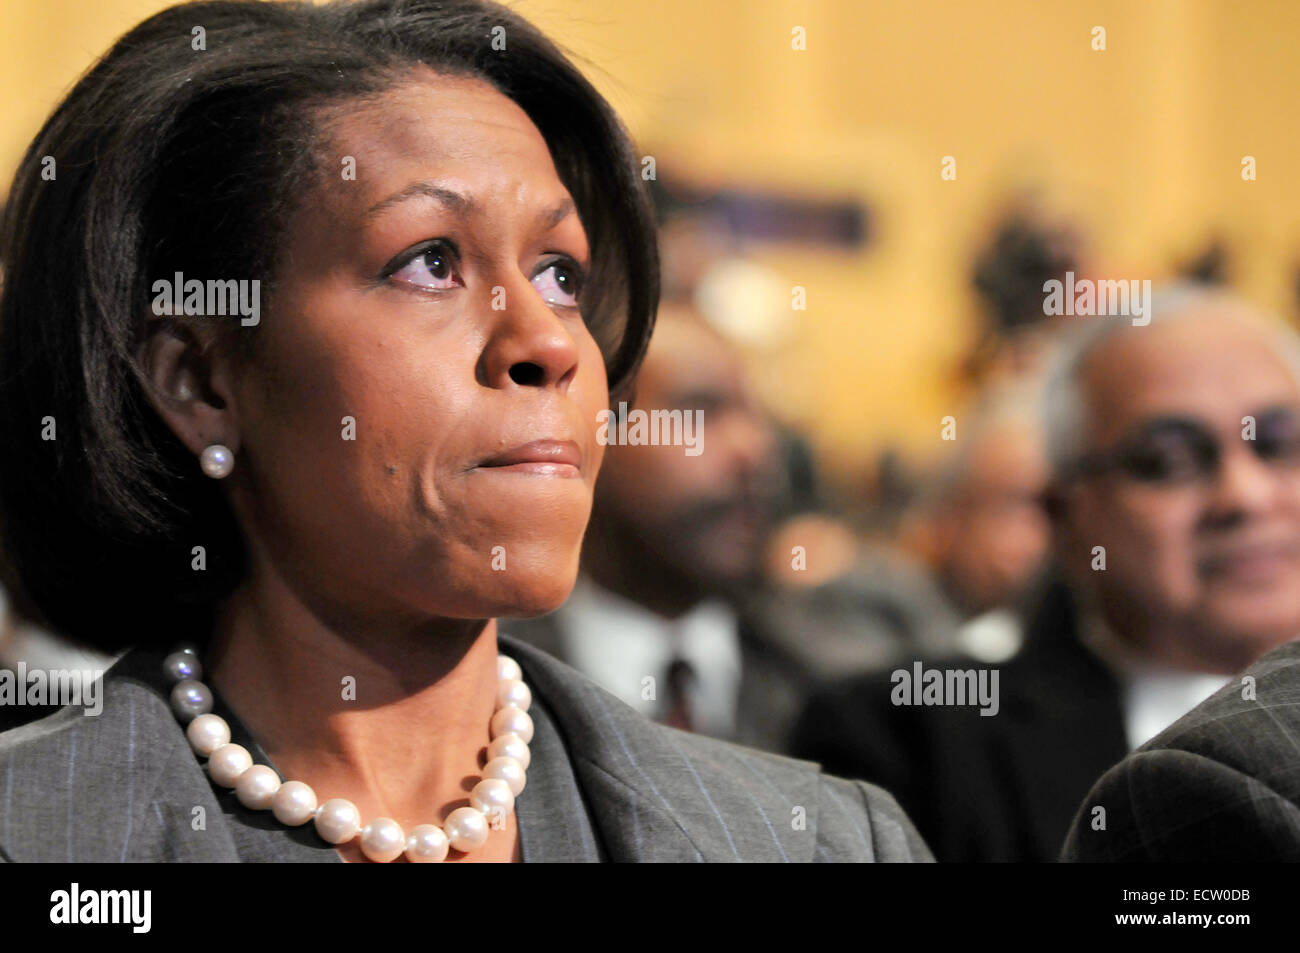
122,786
1221,783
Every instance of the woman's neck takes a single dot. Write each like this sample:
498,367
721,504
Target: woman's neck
392,716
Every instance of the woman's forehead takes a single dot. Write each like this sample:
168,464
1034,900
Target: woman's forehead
458,133
428,114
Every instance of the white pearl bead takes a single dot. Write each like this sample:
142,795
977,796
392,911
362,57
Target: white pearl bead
508,770
294,803
508,668
513,692
427,844
190,698
183,665
256,787
217,461
383,840
467,829
493,798
207,733
227,763
338,820
511,719
510,745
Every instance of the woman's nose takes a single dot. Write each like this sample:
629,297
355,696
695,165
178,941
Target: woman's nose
531,343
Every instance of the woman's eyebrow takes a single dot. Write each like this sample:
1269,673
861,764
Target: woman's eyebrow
554,216
449,198
462,204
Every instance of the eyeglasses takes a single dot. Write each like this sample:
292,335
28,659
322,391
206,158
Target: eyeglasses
1179,450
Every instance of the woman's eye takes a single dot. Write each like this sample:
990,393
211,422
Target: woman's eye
559,283
432,268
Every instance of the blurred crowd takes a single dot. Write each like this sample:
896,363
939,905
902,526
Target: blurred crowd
1113,525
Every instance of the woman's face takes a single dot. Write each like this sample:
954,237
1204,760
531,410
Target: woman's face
431,299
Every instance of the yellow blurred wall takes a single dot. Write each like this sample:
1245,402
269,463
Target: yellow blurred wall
1142,142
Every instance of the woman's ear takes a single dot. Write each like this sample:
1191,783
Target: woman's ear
189,383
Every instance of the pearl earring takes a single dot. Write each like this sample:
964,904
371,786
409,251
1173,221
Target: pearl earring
217,461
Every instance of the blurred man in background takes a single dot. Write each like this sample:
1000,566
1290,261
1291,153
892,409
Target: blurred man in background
1204,528
660,616
981,527
1175,506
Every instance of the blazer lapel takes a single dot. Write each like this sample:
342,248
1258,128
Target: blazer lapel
653,798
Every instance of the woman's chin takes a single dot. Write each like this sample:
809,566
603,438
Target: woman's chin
539,602
532,596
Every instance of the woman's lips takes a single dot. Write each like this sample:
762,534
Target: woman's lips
561,458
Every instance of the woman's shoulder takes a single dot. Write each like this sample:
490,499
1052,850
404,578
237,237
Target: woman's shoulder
118,704
726,801
77,781
854,821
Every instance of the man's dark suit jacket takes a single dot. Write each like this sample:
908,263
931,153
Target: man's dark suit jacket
1221,783
983,788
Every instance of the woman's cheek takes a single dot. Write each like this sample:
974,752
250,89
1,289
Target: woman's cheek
594,399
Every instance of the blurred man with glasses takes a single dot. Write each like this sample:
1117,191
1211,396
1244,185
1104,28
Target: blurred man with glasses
1174,503
1176,449
1177,453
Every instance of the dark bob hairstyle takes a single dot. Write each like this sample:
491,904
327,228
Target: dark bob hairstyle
167,158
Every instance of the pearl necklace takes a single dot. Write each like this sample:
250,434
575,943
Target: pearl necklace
337,820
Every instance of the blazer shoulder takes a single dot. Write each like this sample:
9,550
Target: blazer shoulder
722,800
75,774
1217,783
827,818
116,707
878,831
1250,725
1178,806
